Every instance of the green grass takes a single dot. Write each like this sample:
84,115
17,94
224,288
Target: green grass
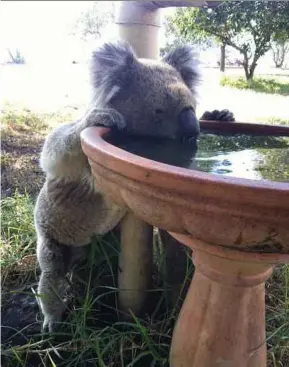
15,121
258,84
273,120
24,120
17,230
92,333
277,317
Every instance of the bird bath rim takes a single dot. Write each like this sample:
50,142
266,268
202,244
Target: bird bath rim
183,201
96,136
232,253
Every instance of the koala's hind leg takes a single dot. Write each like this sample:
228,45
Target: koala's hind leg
55,261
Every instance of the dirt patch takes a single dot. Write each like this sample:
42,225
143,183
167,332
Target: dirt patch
22,138
21,173
20,164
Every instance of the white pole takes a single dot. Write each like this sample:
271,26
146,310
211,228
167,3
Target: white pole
139,25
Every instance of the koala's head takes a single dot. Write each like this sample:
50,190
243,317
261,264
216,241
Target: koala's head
156,98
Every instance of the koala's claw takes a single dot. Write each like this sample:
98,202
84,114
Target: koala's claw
216,115
226,115
50,324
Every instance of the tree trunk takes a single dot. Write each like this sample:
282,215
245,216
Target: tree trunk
249,69
280,62
222,59
252,70
246,69
11,56
279,52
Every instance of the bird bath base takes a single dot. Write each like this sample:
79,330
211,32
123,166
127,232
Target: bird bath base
222,321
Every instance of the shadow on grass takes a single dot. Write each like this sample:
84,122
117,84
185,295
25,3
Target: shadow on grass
262,85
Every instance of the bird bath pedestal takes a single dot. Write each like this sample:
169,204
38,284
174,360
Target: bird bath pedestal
229,223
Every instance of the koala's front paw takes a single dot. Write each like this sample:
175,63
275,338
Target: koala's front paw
216,115
104,117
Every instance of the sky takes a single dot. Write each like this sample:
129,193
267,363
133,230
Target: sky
40,29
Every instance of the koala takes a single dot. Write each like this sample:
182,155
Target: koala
138,96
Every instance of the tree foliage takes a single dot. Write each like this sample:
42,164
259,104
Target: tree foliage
93,21
247,26
175,38
15,57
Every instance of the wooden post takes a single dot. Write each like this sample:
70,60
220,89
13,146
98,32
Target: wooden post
135,263
139,25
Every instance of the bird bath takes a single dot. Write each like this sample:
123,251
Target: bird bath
237,228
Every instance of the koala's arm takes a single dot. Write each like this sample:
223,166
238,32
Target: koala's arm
62,156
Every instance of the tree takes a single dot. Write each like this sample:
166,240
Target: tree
92,22
16,58
279,51
174,37
280,47
247,26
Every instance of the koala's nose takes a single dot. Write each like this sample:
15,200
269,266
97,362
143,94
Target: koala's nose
188,123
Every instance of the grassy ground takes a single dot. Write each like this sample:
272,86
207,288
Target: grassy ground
273,120
264,85
247,104
92,333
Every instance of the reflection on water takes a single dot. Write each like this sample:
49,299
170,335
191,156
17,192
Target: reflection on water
244,156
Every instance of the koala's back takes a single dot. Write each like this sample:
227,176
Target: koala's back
71,212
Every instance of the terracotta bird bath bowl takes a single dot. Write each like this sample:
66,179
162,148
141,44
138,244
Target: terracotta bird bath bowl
238,228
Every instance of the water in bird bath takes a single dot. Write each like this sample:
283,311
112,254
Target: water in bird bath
244,156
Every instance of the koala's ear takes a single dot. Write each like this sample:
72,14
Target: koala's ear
112,68
183,59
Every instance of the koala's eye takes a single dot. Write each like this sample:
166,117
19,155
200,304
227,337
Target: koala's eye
159,111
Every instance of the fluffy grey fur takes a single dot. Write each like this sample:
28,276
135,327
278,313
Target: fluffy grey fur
184,61
141,96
